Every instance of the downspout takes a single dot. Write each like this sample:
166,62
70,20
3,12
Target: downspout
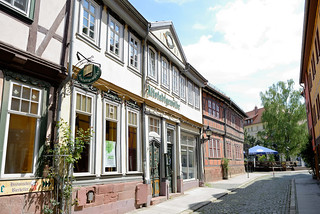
144,131
69,77
63,84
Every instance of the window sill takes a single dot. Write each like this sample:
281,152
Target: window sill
114,58
164,87
134,70
88,42
16,13
154,81
217,158
134,173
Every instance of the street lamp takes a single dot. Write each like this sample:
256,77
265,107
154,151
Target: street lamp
208,132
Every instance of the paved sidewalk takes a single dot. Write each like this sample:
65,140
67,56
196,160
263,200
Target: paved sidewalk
307,195
195,198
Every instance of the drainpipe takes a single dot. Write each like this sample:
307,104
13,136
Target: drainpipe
144,131
69,77
63,84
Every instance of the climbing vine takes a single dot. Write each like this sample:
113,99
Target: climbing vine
60,159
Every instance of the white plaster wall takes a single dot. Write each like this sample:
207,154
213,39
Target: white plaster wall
65,109
49,12
13,32
53,51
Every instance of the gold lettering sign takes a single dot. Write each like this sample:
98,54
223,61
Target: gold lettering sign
25,186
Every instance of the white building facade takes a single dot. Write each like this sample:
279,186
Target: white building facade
145,109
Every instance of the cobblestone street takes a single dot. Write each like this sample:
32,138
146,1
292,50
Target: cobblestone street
266,195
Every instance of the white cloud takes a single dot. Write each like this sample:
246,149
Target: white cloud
260,36
179,2
199,26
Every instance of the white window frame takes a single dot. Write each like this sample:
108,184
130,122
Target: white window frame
194,146
118,147
175,80
155,77
190,93
11,5
120,34
183,87
138,140
196,97
137,49
92,123
158,126
37,134
165,74
97,21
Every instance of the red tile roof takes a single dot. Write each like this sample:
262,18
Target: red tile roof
255,115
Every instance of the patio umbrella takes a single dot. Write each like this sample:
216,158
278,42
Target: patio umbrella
260,150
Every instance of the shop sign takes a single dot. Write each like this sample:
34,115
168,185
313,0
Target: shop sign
25,186
110,154
89,74
156,94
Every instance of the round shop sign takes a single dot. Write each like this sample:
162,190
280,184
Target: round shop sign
89,74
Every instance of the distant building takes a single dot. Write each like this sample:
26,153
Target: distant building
310,75
253,123
225,119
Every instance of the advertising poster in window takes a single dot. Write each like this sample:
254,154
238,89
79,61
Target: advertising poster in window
109,154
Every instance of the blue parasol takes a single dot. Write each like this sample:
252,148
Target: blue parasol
260,150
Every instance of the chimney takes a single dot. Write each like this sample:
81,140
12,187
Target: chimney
255,110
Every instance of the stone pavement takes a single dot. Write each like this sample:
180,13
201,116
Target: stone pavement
195,198
305,198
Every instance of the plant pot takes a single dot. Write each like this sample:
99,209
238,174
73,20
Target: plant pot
225,173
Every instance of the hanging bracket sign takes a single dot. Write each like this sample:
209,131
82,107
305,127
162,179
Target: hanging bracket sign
89,74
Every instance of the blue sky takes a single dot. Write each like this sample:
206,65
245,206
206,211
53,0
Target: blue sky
241,46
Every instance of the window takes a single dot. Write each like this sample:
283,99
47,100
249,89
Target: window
175,80
89,19
217,111
188,156
133,141
111,149
115,37
134,52
190,93
165,72
154,125
213,109
209,107
196,97
238,152
183,87
22,6
233,120
313,66
229,150
214,148
21,140
152,71
83,121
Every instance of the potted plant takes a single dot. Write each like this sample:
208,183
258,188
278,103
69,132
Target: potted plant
225,167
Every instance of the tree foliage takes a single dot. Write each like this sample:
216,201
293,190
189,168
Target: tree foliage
285,118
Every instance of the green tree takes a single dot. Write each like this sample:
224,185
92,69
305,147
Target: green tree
285,119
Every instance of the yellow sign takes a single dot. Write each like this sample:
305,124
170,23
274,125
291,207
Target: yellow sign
25,186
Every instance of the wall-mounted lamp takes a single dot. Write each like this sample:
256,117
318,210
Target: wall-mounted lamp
208,132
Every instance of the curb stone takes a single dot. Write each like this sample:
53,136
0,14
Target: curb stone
293,198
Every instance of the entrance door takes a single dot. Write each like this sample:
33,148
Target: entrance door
169,167
155,167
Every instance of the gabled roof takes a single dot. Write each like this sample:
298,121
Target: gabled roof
168,25
255,115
